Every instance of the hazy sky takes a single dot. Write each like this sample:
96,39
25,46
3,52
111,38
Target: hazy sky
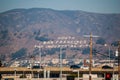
99,6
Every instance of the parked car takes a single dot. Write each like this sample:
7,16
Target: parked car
37,67
107,67
74,66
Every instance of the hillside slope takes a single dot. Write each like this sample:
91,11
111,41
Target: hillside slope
21,29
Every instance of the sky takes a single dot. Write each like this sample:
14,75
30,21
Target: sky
98,6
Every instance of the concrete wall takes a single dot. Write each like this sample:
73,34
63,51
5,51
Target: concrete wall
56,79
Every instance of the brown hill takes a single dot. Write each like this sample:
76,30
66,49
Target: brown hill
21,29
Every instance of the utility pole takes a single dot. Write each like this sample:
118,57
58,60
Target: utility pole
40,56
90,55
108,53
60,63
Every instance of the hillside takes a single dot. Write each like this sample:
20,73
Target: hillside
21,29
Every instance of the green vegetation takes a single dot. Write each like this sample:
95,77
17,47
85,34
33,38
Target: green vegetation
37,32
77,49
101,41
4,37
42,38
63,55
3,34
86,50
52,51
115,43
94,51
19,53
2,57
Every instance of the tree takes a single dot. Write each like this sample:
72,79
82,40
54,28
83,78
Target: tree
115,43
101,41
86,50
19,53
